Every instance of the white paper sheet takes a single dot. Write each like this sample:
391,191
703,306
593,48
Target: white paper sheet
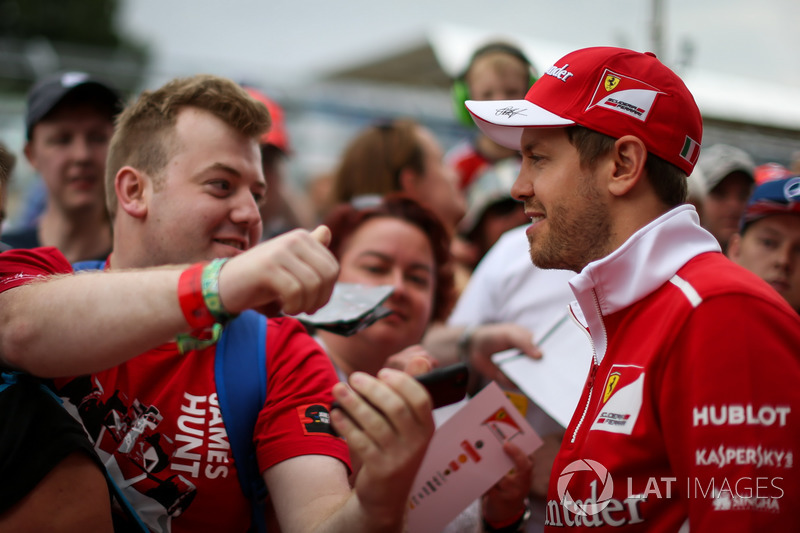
555,381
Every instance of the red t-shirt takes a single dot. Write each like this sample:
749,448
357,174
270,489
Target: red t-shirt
156,423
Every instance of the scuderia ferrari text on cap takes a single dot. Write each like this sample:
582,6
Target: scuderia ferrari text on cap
610,90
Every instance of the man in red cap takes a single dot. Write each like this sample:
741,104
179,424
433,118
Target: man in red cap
686,419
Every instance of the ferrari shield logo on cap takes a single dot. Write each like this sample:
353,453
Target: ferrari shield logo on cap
625,95
611,82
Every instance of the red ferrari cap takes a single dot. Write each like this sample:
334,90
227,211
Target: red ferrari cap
613,91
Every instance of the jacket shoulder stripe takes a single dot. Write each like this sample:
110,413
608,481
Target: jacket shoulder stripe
687,290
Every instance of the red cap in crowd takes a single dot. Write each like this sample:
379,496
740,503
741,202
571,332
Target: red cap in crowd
277,134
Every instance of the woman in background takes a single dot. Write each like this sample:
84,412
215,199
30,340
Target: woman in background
395,241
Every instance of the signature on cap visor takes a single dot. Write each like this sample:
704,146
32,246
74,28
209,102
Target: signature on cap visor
503,121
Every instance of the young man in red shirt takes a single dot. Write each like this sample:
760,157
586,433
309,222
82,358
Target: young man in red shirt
184,181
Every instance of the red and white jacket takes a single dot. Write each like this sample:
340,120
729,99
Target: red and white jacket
690,416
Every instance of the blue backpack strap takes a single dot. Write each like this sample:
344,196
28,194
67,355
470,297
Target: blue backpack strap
8,378
240,372
88,265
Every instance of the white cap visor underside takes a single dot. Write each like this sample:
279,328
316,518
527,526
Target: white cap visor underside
503,121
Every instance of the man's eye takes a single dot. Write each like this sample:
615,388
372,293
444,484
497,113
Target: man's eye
60,140
220,185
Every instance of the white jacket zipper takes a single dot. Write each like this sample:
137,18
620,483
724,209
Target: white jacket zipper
593,372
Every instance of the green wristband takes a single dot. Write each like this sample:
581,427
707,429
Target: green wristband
210,284
187,342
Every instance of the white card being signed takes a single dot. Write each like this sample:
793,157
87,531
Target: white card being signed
555,381
465,458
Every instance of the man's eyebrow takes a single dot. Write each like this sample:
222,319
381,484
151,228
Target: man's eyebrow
529,147
223,167
230,170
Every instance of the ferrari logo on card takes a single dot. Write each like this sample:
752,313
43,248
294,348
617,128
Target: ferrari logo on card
611,82
502,425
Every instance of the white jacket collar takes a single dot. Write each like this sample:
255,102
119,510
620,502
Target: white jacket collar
647,260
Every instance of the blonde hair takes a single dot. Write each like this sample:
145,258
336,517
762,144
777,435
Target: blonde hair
501,62
142,134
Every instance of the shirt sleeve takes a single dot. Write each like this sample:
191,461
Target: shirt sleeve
476,304
18,267
728,406
295,419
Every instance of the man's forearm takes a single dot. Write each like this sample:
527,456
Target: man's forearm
353,518
328,504
77,324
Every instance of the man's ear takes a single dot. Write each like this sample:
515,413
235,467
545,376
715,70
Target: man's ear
734,247
130,185
629,155
28,151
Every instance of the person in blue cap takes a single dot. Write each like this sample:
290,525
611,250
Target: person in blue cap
768,243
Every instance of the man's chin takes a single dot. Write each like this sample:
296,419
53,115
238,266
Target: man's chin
82,203
550,262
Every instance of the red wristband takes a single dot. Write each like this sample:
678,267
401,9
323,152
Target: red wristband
190,297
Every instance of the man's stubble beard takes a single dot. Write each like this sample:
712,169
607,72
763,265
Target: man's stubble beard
577,235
